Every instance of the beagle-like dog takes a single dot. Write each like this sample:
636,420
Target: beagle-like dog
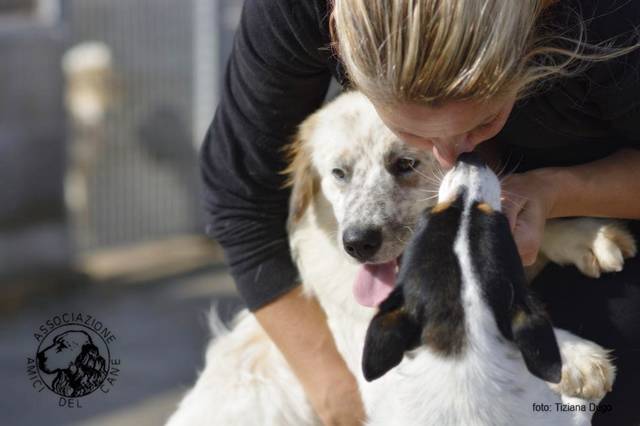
480,349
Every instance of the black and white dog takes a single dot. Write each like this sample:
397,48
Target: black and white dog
479,347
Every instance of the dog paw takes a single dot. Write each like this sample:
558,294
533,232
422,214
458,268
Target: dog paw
594,246
611,245
587,371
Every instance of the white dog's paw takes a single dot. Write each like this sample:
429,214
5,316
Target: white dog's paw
593,245
587,370
612,244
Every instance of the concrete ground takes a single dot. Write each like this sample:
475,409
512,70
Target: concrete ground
161,331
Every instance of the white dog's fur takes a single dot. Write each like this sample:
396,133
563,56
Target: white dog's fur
246,380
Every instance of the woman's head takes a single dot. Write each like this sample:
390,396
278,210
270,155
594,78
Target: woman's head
433,51
443,74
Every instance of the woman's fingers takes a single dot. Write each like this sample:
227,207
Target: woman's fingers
528,236
511,208
523,209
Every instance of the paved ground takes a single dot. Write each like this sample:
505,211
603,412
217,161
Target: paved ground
160,333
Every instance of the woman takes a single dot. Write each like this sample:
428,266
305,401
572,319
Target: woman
445,75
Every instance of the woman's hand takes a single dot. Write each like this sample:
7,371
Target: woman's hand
528,199
338,402
608,187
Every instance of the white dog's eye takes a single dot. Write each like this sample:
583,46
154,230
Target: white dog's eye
339,173
403,166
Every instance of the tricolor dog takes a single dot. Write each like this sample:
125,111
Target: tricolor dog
357,195
483,349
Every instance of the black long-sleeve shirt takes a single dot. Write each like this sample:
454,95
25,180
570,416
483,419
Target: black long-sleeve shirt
279,72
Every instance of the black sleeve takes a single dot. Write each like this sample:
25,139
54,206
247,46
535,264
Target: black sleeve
276,76
614,85
619,98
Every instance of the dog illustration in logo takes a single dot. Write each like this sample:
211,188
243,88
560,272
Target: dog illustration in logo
77,362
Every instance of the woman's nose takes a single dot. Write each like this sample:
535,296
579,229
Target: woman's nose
447,152
445,156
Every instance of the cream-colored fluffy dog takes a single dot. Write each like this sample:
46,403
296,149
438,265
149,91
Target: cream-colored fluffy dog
357,194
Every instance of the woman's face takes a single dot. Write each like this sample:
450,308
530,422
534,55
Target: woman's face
448,130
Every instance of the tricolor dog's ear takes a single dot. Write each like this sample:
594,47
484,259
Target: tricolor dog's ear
534,336
390,333
518,315
301,176
531,329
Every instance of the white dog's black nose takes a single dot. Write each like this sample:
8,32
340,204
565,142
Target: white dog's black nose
362,243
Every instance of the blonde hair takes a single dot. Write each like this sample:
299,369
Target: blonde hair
431,51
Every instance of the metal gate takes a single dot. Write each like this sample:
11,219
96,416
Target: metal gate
139,164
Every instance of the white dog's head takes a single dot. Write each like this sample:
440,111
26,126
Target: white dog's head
375,184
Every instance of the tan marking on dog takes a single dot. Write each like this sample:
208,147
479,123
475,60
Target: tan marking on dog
519,319
301,177
445,339
485,208
391,318
440,207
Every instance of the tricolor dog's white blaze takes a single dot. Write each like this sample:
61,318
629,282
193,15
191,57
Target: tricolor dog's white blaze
480,183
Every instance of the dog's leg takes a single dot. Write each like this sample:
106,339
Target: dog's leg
593,245
587,370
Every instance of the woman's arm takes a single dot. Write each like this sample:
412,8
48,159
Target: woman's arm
276,76
298,326
609,187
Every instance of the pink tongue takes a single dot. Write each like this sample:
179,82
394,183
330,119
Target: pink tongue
374,283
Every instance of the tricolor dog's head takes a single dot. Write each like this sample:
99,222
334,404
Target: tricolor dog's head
461,263
376,186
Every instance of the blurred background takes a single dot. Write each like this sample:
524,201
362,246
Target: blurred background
103,105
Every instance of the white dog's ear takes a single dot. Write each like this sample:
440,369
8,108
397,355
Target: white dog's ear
301,175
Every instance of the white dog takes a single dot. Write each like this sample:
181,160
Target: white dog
357,195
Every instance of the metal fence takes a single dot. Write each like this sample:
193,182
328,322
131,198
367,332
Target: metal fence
130,175
166,55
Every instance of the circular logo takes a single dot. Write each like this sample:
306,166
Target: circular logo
73,357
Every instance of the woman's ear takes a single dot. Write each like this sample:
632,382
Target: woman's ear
301,176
